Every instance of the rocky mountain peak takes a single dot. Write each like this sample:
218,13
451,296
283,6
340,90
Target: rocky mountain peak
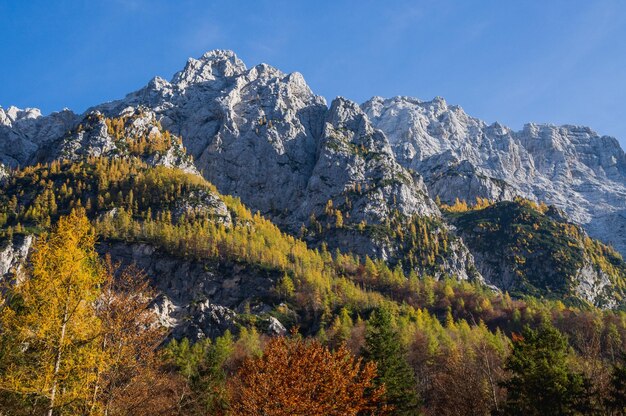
158,83
14,115
347,114
209,67
462,157
265,71
438,103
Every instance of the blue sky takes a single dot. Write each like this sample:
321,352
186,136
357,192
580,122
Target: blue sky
508,61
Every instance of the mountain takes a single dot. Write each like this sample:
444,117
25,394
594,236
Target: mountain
359,178
462,157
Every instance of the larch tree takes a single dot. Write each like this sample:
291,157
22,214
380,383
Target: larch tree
133,381
49,323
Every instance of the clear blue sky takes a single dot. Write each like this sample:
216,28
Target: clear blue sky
508,61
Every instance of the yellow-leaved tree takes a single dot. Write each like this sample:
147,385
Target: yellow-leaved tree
48,324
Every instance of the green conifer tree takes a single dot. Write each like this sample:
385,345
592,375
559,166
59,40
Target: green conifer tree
541,382
383,345
616,402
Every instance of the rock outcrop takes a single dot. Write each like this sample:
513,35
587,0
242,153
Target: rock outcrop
23,132
133,132
199,299
13,258
528,249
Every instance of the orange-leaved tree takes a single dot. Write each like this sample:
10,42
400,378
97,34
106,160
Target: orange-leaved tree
134,382
295,376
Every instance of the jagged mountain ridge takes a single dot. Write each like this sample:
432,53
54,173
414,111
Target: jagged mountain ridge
460,156
254,132
264,136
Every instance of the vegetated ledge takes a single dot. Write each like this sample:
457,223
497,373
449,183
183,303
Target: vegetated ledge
531,249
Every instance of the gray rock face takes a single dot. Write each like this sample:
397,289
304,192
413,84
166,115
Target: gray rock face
275,327
353,154
356,171
462,157
23,132
199,299
26,137
13,257
97,136
252,132
594,286
264,136
461,263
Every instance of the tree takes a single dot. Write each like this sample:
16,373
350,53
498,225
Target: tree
616,402
78,336
302,377
383,346
341,328
541,382
338,219
203,365
465,373
49,322
285,287
129,339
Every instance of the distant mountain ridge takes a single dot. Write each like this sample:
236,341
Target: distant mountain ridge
459,156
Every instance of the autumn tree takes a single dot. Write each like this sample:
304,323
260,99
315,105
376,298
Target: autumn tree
49,323
466,373
285,287
338,219
78,336
130,339
302,377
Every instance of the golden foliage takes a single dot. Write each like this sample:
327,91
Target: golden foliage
77,335
50,321
462,206
130,339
